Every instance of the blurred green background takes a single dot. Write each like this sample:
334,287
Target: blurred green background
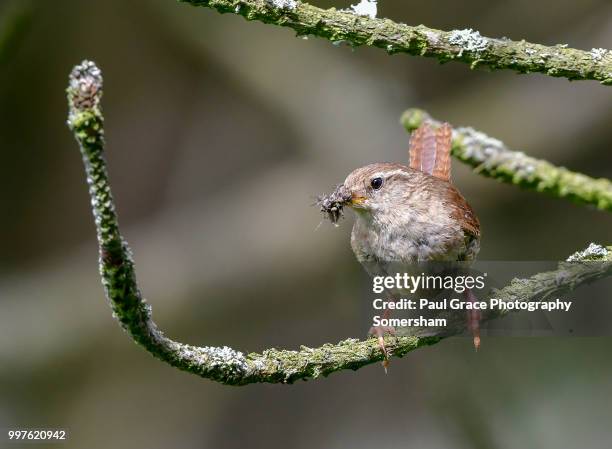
220,133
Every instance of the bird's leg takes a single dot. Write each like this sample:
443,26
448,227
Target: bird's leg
473,318
379,332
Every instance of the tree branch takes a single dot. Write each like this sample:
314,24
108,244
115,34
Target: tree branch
224,364
466,46
490,157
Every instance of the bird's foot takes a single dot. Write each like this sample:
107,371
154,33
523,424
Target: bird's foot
474,326
379,332
473,319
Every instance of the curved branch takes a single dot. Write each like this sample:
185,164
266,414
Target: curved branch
490,157
466,46
224,364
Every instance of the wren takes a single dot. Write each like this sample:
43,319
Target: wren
408,214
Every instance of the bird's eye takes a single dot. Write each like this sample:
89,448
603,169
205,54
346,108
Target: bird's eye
376,183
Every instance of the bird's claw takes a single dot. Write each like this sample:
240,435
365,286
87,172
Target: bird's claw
379,332
473,319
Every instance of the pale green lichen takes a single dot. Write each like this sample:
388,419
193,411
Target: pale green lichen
283,4
599,54
468,40
593,252
366,8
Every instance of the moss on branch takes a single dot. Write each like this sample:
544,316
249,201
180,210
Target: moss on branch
224,364
466,46
491,158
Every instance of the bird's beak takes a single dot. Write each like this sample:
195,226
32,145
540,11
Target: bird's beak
356,200
347,198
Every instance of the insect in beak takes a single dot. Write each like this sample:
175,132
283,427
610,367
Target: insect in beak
332,205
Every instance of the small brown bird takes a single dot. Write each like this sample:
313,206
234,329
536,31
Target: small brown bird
409,215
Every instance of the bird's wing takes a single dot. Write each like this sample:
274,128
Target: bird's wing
464,214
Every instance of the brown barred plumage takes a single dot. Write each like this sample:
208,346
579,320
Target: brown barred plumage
430,150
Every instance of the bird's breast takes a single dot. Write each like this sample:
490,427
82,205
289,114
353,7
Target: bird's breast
411,241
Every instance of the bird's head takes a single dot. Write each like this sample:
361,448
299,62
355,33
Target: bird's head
374,189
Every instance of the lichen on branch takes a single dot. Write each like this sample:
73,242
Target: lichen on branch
224,364
490,157
465,45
